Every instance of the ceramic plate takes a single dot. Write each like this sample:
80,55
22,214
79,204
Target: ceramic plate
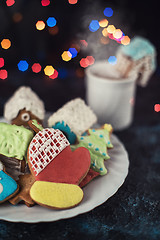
95,193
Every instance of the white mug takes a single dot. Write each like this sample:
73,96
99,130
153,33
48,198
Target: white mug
109,95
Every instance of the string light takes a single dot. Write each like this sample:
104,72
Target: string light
3,74
72,1
48,70
45,3
117,34
51,22
40,25
105,32
125,40
36,67
111,28
66,56
5,43
10,2
94,25
157,107
23,65
1,62
108,12
103,23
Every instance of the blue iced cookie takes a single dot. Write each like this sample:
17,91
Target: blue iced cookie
71,136
8,186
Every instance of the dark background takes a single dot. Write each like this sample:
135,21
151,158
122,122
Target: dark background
132,17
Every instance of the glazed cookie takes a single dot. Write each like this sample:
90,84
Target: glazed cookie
97,143
8,187
74,118
57,170
23,106
14,142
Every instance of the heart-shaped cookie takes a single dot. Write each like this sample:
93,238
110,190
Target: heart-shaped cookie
51,159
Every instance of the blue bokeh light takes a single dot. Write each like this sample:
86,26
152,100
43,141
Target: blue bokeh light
22,65
108,12
112,60
73,51
51,22
94,25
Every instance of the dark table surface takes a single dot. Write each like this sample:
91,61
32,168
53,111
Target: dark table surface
134,211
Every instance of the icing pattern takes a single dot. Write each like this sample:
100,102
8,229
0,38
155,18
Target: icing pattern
14,140
44,147
76,114
97,143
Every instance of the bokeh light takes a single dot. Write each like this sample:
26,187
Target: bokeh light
51,22
36,67
103,23
90,60
83,63
54,75
157,107
23,65
94,25
108,12
105,32
112,60
73,52
66,56
84,43
45,3
53,30
125,40
48,70
1,62
117,34
5,43
3,74
104,40
17,17
111,28
72,1
10,2
40,25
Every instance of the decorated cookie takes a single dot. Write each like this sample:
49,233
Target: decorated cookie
97,143
36,126
25,182
89,177
23,106
14,142
57,170
51,159
138,57
74,118
56,195
8,186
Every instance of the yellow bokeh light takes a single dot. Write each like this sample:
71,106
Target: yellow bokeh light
105,32
103,23
66,56
40,25
49,70
117,34
5,43
111,28
125,40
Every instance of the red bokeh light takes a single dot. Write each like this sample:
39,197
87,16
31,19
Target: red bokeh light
157,107
54,75
45,3
36,67
3,74
10,2
1,62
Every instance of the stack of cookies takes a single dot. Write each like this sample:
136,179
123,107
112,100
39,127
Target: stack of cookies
58,160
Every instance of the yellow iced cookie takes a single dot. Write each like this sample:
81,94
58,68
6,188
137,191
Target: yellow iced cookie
56,195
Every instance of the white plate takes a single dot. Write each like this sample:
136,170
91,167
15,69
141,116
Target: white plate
95,193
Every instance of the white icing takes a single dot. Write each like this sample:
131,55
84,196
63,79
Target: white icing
1,188
36,148
24,97
76,114
1,166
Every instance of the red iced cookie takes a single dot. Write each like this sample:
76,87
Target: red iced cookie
51,159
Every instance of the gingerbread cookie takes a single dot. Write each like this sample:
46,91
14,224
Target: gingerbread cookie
23,106
14,142
57,170
25,182
97,143
8,187
74,118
